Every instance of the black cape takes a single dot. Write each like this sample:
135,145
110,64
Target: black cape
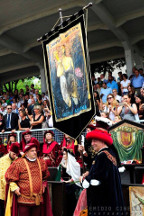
107,198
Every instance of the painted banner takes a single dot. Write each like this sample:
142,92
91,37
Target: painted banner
68,78
128,138
136,195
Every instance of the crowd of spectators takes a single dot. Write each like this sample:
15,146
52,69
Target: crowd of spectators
114,99
122,98
24,110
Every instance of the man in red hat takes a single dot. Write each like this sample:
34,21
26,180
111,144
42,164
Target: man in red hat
5,162
27,138
103,181
27,177
51,150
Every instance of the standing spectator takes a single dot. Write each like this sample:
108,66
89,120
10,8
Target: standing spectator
39,100
112,83
1,122
10,120
137,81
111,106
104,92
38,118
141,71
23,122
124,84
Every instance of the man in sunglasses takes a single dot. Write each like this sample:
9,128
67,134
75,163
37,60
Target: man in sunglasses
10,120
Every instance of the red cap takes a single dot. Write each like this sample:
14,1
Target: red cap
26,132
12,134
15,147
49,131
29,146
100,135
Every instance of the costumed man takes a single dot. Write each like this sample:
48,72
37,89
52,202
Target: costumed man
104,191
11,139
27,178
5,162
2,148
51,150
27,138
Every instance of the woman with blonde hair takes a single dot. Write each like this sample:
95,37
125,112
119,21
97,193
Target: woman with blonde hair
111,106
38,118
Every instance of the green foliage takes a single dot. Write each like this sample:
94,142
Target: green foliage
21,84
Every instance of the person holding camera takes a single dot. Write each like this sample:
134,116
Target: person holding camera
127,110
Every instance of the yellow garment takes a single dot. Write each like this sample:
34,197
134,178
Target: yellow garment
9,203
5,162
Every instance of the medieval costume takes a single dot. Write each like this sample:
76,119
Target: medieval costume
5,162
103,182
32,140
2,148
28,175
51,151
70,173
11,139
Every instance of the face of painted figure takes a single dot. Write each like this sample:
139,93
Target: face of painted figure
32,153
97,144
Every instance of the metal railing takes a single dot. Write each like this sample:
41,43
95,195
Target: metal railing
37,133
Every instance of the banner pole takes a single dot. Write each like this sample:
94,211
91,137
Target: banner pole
60,16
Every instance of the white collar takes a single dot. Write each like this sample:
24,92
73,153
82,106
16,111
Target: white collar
32,160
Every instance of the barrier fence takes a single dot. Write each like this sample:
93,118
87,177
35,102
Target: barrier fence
37,133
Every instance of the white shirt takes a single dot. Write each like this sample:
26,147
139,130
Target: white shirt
125,84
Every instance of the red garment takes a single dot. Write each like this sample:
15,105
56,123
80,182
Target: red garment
3,149
18,173
53,152
33,140
69,145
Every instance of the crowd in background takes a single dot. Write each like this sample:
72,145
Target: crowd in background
114,99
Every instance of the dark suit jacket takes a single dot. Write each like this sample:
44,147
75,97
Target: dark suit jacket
14,121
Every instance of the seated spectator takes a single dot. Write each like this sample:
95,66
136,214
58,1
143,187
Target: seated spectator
111,106
137,81
48,118
124,84
23,122
38,118
97,102
117,97
140,106
131,92
10,120
11,139
141,71
117,119
4,104
30,99
51,150
44,97
27,138
104,92
127,110
112,83
104,114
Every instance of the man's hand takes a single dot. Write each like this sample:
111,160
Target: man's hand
81,148
17,192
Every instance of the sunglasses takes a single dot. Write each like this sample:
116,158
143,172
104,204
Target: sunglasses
9,108
109,97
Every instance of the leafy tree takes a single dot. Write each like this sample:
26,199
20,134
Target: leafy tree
107,66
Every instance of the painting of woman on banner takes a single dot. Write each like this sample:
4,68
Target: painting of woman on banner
68,74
